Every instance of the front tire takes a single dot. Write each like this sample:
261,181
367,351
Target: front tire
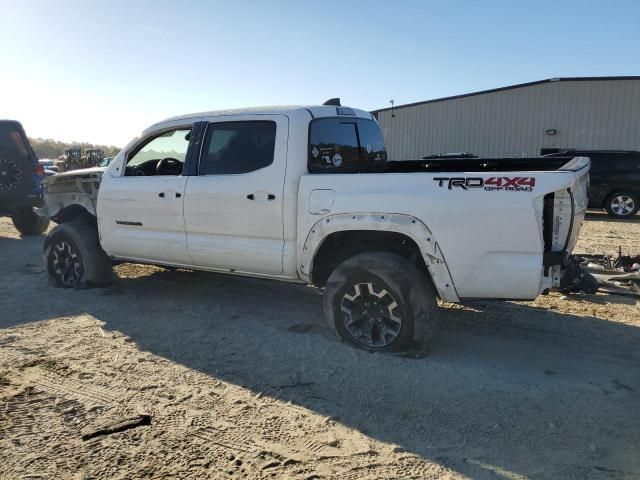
28,222
380,302
74,258
622,205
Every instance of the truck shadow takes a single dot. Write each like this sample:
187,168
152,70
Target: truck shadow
510,390
613,299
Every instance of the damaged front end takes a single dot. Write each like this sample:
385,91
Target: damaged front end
72,194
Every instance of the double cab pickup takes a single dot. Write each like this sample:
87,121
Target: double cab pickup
307,194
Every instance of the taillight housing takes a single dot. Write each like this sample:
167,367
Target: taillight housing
39,170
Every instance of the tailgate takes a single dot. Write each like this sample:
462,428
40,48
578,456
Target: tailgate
570,206
564,212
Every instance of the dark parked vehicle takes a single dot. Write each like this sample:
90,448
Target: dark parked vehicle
614,179
21,178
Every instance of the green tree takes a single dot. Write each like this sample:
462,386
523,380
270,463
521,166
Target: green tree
48,148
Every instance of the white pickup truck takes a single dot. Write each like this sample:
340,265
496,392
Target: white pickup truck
306,194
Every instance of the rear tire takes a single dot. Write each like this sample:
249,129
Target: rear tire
622,205
74,258
380,302
28,222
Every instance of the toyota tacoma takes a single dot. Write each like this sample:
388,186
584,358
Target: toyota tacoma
307,194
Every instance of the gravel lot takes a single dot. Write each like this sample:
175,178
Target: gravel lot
240,378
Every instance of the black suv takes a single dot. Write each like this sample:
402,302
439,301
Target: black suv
20,180
614,179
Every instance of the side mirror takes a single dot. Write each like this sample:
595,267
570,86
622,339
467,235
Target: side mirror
116,166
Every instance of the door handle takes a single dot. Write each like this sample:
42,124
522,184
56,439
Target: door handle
178,195
161,194
269,196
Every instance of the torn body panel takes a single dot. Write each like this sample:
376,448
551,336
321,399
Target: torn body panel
71,190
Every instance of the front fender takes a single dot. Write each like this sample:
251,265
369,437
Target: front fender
71,189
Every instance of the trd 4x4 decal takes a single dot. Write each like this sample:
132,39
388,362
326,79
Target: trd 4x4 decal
516,184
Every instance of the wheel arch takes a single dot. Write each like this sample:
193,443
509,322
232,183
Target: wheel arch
75,212
335,238
620,191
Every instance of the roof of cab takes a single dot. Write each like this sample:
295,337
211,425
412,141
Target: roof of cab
313,111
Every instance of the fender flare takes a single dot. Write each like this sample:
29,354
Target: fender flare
387,222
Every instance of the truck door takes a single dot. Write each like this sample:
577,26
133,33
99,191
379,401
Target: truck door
234,205
140,209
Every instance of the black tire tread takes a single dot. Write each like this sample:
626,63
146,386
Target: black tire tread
97,266
28,222
412,285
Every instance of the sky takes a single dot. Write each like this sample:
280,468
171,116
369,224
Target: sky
102,71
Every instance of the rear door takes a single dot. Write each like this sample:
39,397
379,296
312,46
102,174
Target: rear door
234,205
140,210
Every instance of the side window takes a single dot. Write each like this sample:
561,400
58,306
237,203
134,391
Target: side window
163,154
332,143
371,141
344,142
237,147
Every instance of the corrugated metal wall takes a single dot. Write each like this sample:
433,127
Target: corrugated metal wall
601,114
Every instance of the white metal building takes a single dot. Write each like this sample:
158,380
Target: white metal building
582,112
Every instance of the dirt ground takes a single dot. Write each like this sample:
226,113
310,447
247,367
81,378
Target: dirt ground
240,378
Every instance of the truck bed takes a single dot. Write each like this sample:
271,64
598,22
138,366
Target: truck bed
491,225
527,164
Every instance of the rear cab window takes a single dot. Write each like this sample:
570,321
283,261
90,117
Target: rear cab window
344,143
